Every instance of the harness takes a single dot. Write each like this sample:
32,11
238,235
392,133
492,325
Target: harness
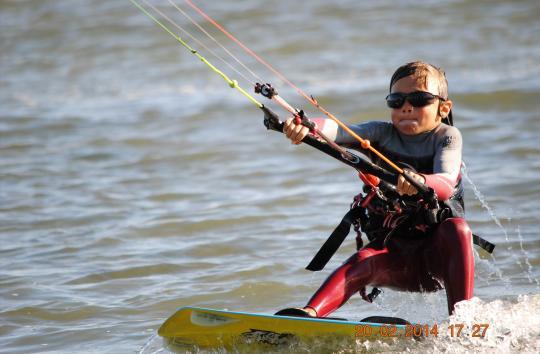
383,214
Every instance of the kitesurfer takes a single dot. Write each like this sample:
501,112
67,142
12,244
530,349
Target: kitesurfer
405,255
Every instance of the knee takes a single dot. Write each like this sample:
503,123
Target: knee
455,230
360,262
365,254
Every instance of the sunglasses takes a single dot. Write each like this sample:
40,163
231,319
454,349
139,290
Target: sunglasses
416,99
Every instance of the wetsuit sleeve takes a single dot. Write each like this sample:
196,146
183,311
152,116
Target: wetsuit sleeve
446,164
327,126
373,131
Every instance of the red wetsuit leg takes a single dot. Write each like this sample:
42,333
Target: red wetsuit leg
452,241
367,266
447,255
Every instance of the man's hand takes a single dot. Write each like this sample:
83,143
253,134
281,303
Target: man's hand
405,188
295,132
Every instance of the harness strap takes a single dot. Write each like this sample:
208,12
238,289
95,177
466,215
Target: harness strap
335,240
483,243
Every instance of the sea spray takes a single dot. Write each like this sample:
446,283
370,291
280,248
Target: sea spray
499,326
524,255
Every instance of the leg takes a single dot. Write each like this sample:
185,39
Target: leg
452,242
368,266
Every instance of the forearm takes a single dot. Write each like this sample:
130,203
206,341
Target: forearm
327,126
442,183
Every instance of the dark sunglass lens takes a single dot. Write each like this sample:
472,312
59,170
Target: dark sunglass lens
395,100
420,99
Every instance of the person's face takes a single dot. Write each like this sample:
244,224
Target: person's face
411,120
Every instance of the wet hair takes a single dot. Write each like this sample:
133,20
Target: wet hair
421,71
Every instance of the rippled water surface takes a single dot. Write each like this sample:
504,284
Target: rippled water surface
133,181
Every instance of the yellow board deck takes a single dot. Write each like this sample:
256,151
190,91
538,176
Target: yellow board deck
219,328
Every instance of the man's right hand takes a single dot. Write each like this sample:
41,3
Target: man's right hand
295,132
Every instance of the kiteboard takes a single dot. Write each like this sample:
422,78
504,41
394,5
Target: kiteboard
203,327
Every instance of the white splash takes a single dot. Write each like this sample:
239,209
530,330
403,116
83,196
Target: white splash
499,326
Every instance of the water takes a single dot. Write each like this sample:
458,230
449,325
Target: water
134,181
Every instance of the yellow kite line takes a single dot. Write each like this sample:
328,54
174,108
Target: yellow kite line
232,83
